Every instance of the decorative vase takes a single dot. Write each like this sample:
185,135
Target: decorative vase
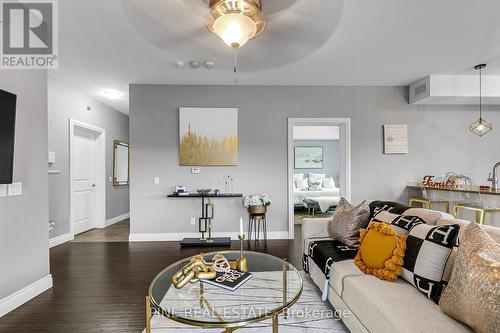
257,209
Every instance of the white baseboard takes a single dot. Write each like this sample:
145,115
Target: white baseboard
60,240
117,219
169,237
22,296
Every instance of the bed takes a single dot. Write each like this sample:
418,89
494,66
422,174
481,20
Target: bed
325,197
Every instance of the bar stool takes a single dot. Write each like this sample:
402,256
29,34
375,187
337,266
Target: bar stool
256,221
423,199
426,203
476,206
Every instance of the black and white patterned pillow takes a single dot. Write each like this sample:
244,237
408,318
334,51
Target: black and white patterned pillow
427,250
401,224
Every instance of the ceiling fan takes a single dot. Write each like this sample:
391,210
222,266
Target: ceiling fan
287,30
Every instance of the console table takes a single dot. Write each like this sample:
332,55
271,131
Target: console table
206,219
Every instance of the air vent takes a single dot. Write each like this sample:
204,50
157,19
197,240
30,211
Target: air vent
420,89
454,90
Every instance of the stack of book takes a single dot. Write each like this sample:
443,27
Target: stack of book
230,280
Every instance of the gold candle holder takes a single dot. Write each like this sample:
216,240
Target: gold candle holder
241,263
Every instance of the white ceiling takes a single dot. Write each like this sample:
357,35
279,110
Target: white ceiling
109,44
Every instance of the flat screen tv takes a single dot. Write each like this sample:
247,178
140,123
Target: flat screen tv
7,131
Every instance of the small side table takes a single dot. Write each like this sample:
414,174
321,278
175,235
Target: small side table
257,220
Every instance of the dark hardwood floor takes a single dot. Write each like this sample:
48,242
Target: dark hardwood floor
100,287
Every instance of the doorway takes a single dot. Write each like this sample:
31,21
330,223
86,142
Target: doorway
87,177
318,167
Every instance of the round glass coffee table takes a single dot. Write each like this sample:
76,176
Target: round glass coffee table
274,287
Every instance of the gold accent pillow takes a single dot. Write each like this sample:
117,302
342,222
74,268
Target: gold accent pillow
381,251
473,292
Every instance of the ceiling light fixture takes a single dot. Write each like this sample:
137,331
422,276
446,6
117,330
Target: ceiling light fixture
236,22
112,94
481,126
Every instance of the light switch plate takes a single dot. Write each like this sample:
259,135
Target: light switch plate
157,180
15,189
193,221
3,190
52,157
195,170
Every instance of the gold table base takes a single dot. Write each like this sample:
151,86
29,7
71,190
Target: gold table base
204,301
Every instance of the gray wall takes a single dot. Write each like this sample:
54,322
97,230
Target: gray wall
331,157
65,103
24,239
439,141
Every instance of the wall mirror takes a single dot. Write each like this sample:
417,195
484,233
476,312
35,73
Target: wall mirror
121,163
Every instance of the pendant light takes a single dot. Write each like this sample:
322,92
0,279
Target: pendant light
481,126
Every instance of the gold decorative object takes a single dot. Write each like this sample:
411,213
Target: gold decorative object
241,263
236,21
192,272
204,191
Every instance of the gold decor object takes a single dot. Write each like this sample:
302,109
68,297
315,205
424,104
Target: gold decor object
480,127
257,209
192,272
236,21
221,264
241,263
204,191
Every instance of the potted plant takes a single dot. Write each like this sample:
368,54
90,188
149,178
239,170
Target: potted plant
257,203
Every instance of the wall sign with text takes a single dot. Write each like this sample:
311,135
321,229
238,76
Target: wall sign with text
395,139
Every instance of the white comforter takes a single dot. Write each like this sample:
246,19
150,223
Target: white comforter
326,202
299,196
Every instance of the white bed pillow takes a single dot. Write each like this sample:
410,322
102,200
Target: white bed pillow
317,175
298,176
302,184
329,183
315,184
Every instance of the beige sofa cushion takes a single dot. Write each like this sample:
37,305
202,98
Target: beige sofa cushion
341,270
429,216
395,307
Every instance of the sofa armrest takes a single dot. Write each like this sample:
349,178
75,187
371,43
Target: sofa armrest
314,228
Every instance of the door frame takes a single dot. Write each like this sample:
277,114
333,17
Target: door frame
100,204
345,156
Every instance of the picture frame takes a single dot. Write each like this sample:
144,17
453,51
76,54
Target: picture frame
308,157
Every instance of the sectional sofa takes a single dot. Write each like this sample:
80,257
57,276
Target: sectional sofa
374,305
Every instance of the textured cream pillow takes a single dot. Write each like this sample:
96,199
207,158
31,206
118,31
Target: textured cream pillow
473,293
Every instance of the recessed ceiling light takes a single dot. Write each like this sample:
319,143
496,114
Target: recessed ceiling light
112,94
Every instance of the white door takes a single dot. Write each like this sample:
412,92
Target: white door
84,180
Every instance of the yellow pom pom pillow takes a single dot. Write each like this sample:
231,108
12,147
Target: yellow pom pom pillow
381,251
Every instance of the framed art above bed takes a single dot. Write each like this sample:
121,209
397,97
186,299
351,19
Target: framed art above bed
308,157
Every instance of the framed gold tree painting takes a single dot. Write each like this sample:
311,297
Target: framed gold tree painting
208,136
